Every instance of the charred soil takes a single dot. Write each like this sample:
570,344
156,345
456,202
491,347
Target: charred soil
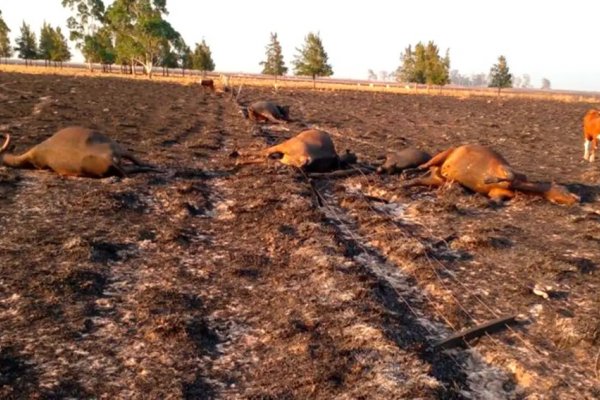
209,280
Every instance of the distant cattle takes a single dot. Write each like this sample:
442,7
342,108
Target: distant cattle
208,84
591,134
483,170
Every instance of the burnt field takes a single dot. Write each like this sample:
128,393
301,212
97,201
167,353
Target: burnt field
209,280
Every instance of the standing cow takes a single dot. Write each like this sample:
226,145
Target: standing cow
591,134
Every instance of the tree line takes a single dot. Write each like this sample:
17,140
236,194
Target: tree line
131,33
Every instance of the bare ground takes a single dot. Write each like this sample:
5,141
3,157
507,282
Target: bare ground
211,281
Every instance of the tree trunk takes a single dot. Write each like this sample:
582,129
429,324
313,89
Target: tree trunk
148,69
314,81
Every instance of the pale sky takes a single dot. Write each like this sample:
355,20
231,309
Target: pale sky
557,40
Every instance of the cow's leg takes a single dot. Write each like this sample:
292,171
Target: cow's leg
434,178
437,160
594,146
272,119
586,149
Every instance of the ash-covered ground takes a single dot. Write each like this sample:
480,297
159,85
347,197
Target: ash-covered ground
209,280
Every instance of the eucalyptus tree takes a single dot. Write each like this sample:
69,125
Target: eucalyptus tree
167,57
184,57
141,30
84,26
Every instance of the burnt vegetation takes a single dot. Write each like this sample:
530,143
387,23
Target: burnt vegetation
211,280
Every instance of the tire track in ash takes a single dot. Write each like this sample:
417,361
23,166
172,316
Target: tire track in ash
460,372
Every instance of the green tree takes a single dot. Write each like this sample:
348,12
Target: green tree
274,64
406,70
105,48
46,44
424,65
99,48
83,27
202,58
438,69
312,59
5,49
125,52
60,48
142,30
167,58
26,43
500,76
53,45
184,57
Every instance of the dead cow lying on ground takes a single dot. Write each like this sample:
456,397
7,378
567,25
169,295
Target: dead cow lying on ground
267,111
311,150
484,171
75,151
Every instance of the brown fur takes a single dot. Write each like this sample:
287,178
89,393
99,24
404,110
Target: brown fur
311,150
208,84
484,171
73,151
591,131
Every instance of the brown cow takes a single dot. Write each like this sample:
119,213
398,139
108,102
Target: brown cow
591,134
208,84
75,151
484,171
